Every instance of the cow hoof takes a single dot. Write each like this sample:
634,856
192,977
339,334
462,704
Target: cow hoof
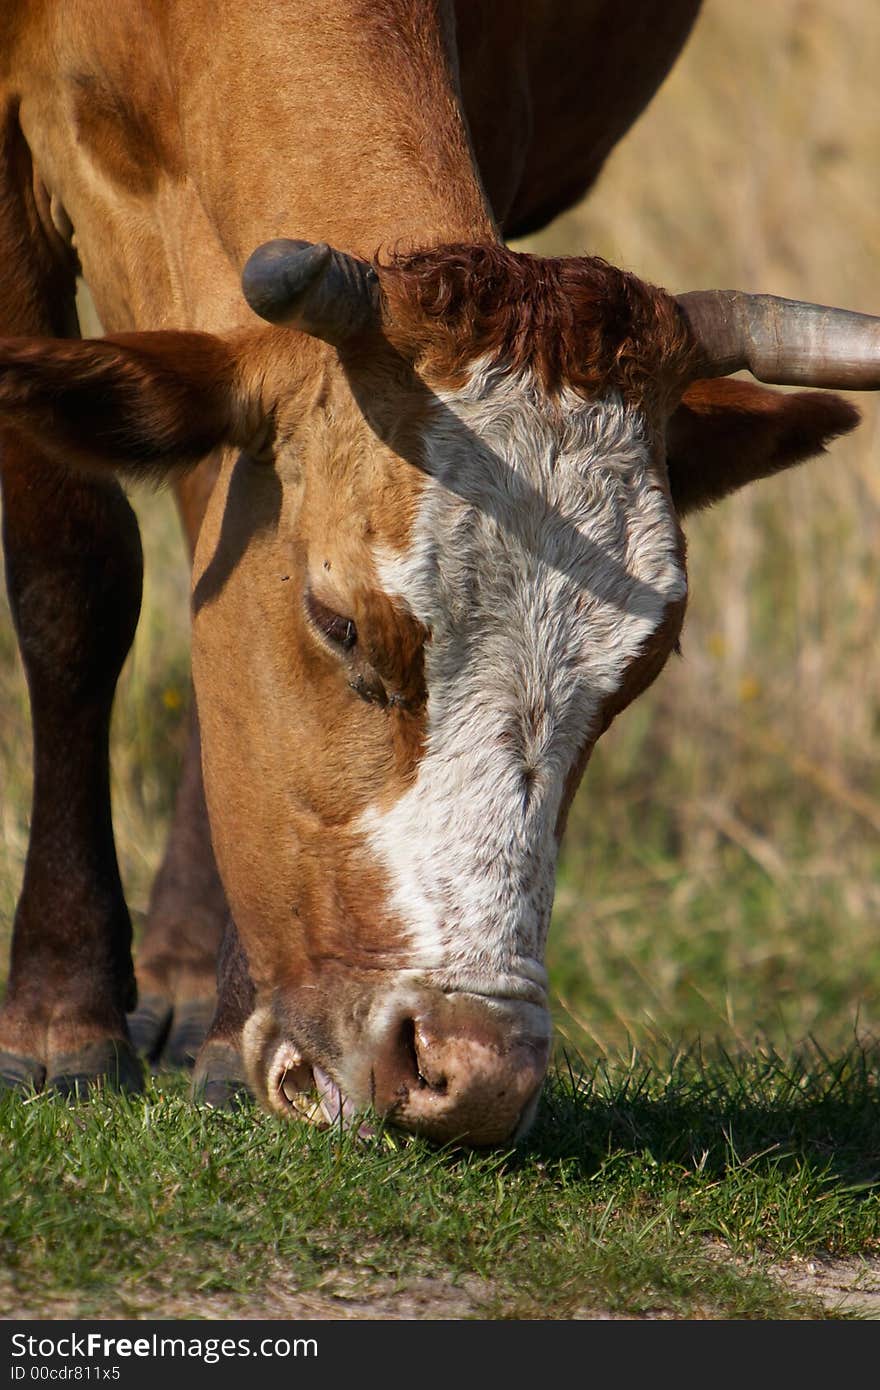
219,1079
20,1073
148,1026
169,1035
109,1065
188,1031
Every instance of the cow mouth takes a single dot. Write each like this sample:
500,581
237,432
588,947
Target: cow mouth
304,1091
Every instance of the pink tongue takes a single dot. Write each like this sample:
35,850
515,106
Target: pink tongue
337,1108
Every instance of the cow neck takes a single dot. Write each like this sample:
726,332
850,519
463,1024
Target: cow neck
347,125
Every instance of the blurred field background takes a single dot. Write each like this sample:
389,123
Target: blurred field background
721,877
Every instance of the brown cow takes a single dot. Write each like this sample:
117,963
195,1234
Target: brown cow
443,550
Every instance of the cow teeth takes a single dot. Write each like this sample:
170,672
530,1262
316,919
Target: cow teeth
289,1087
315,1097
295,1079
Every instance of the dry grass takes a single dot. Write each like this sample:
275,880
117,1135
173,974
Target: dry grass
755,168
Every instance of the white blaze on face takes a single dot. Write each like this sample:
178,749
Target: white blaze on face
543,558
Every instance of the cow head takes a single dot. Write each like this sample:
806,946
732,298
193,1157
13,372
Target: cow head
442,555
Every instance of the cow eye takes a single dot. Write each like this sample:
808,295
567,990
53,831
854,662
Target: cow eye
336,628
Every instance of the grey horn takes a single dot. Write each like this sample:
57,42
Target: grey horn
312,287
783,341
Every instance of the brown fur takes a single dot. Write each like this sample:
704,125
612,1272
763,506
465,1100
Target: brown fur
123,130
726,434
577,321
138,401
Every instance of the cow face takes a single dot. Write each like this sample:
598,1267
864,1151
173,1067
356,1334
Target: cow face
417,618
443,553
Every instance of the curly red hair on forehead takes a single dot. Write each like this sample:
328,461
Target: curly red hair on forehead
575,321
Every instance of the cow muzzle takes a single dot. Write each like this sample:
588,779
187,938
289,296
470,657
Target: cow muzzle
453,1067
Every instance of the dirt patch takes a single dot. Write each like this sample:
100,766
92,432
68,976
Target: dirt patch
850,1287
345,1300
420,1299
842,1286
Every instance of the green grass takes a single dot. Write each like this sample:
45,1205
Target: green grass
647,1188
746,917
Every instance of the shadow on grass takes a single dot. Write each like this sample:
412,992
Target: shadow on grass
715,1113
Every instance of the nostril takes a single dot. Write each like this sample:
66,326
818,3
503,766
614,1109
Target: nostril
415,1051
409,1053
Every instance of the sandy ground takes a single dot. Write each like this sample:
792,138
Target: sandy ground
846,1286
850,1286
419,1299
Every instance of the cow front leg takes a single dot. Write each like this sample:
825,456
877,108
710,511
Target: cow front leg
178,951
73,564
177,957
219,1079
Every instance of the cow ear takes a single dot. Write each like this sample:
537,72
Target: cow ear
727,433
144,403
